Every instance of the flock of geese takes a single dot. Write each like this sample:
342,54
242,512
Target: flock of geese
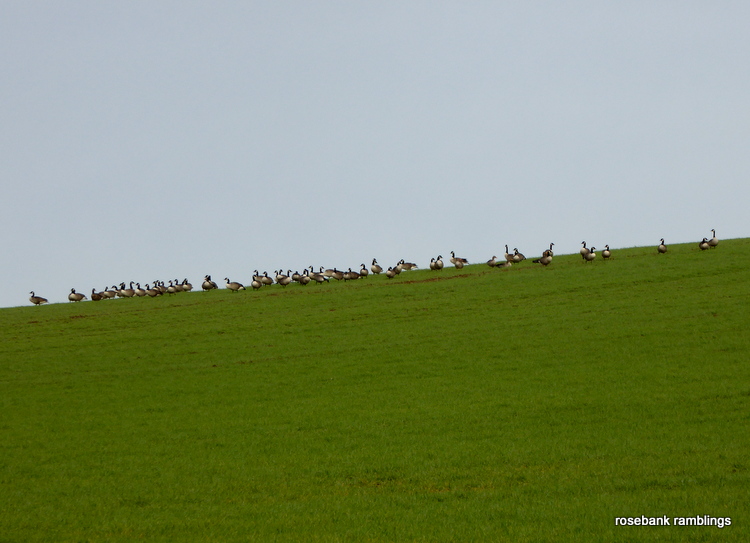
159,288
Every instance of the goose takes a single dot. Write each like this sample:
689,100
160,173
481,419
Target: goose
390,273
177,286
591,255
545,259
208,284
508,257
458,264
550,250
37,300
703,245
95,296
662,248
153,292
108,294
714,241
606,253
584,250
171,288
432,264
492,262
75,296
337,274
139,291
304,279
284,280
455,259
364,272
234,286
351,275
296,276
376,268
408,265
439,263
517,257
256,284
126,292
186,286
398,268
317,277
265,279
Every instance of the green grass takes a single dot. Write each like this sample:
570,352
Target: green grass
527,404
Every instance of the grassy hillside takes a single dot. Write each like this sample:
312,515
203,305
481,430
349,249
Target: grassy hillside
525,404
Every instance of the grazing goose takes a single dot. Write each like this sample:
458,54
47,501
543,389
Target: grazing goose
390,273
584,250
37,300
233,285
75,296
439,263
606,253
492,262
376,268
714,241
517,257
139,291
662,248
208,284
591,255
703,245
508,257
364,272
95,296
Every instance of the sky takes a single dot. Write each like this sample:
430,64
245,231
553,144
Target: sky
144,141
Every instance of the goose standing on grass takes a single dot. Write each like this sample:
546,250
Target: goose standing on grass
439,263
256,284
517,257
233,285
139,291
126,292
455,259
186,286
75,296
364,272
492,262
208,284
376,268
508,256
591,255
390,273
266,280
662,248
284,279
432,264
37,300
408,265
606,253
171,289
95,296
108,294
714,241
584,250
703,245
550,250
546,257
153,292
304,278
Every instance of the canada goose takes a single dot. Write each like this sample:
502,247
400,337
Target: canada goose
153,292
108,294
265,279
390,273
177,286
208,284
550,250
364,272
545,259
591,255
317,277
508,257
171,289
296,276
376,268
337,274
256,284
455,259
439,263
304,278
37,300
351,275
75,296
126,292
662,248
95,296
584,250
283,279
408,265
432,264
139,291
492,262
703,245
233,285
517,257
714,241
398,268
504,265
606,253
186,286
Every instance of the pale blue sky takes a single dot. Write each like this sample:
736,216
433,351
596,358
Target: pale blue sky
162,140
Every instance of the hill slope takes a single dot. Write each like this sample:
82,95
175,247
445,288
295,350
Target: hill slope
521,404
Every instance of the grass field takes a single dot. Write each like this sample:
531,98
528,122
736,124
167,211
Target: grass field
525,404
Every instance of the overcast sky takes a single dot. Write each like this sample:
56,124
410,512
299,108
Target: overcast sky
162,140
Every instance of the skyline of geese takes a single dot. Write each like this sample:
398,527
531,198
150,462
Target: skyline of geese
309,275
